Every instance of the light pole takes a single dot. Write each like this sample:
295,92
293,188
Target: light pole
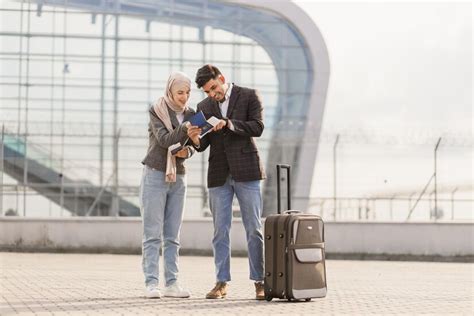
114,210
436,179
334,159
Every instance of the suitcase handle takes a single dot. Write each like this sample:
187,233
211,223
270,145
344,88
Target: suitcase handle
287,167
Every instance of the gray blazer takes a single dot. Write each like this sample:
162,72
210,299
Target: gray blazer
159,139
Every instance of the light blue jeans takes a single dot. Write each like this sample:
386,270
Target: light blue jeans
162,206
250,201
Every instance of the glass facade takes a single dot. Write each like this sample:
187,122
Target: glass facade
78,78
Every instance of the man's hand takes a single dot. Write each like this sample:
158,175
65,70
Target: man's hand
183,153
220,125
193,133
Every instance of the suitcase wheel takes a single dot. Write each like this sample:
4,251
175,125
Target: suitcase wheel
307,299
268,298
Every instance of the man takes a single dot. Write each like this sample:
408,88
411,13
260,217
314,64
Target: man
234,168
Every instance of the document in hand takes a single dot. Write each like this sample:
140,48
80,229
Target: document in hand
175,148
206,126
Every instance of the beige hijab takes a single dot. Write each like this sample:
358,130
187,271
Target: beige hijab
177,80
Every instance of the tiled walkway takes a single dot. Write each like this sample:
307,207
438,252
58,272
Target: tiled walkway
34,283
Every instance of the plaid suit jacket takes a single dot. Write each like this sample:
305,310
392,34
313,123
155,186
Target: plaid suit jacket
234,152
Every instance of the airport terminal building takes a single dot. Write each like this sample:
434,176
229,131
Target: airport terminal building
78,77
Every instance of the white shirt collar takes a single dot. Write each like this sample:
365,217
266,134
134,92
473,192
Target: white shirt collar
228,92
224,106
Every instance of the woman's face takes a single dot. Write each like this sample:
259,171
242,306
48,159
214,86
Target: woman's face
180,94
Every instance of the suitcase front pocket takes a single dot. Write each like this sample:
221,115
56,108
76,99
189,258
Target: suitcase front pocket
308,277
307,272
308,253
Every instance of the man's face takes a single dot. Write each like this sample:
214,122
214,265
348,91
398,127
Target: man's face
214,88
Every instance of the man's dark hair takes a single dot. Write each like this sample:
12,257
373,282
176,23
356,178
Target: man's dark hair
206,73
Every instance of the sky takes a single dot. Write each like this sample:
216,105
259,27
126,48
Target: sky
403,71
407,63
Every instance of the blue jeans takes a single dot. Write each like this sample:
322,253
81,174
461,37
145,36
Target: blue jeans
250,201
162,206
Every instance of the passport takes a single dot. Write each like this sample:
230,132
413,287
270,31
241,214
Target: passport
206,126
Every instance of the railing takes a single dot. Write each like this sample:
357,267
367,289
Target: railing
84,196
393,208
346,208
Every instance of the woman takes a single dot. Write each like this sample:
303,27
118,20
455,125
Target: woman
163,186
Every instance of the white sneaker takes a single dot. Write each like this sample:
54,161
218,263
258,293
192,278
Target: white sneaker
152,291
175,290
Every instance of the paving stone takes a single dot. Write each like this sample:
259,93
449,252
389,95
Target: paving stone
94,284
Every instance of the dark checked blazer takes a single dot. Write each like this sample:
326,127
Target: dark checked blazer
234,152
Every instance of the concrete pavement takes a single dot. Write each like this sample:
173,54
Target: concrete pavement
89,284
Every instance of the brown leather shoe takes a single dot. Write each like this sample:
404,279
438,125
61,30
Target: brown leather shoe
219,291
259,291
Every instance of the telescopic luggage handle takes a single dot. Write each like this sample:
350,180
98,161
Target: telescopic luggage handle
287,167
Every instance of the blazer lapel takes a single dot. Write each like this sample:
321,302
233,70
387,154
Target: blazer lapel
234,96
214,105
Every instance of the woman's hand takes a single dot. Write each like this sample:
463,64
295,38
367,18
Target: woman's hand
183,153
193,133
